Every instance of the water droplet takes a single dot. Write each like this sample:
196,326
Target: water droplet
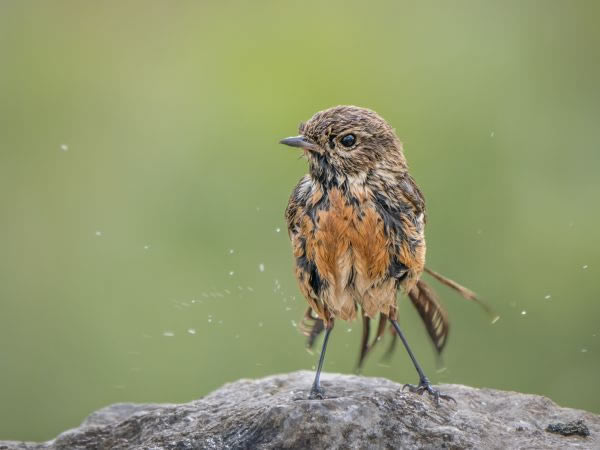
146,247
64,147
191,330
260,324
349,330
277,230
261,267
495,319
231,251
585,266
523,312
584,350
548,297
231,273
98,233
168,334
294,324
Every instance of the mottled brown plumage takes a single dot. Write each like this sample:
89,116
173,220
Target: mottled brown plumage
356,222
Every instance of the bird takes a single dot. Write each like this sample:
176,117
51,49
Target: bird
356,222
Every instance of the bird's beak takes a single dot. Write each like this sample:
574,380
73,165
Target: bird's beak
301,142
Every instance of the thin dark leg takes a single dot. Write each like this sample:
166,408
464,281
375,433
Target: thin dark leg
316,390
424,384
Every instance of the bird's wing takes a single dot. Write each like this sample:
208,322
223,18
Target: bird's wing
413,194
296,202
402,208
300,229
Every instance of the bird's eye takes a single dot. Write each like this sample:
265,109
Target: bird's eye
349,140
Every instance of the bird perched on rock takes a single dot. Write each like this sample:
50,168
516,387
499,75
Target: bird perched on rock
357,226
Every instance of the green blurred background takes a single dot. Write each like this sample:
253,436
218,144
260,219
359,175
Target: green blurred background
142,190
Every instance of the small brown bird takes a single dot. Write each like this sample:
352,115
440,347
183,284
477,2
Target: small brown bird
356,223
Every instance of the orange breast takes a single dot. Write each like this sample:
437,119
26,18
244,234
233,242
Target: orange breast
351,252
333,254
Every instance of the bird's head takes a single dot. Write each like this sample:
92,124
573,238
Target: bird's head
346,141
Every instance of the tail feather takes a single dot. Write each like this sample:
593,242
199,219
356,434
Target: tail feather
390,350
464,292
432,313
364,341
311,326
365,347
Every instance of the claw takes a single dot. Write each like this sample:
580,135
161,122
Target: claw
425,386
316,393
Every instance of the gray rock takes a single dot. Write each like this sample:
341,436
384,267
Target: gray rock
359,412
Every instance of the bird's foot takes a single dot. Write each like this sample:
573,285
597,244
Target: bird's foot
316,393
425,386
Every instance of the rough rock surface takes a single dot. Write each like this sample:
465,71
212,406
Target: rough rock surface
359,412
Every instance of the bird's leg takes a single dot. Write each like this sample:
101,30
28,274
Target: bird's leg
316,391
424,384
